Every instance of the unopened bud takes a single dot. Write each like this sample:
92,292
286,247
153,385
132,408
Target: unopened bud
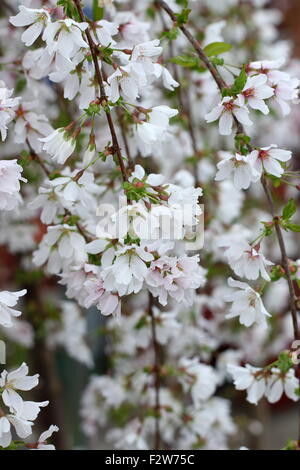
164,197
143,110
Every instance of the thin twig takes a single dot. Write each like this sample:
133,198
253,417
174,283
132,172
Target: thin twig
196,45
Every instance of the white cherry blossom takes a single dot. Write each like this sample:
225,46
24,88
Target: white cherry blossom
104,30
65,37
268,159
228,109
246,304
7,301
256,91
59,145
246,260
7,108
12,382
279,383
41,443
249,378
35,19
239,167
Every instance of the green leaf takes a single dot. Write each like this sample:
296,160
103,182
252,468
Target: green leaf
185,61
98,12
183,3
188,62
284,362
217,61
291,445
239,82
142,323
292,227
275,180
70,9
216,48
20,85
242,142
171,34
276,273
183,17
289,210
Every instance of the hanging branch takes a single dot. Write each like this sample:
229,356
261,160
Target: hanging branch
276,219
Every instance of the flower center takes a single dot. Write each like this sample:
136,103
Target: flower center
229,106
248,93
263,154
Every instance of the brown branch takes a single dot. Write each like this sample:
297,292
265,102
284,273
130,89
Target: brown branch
196,45
156,373
103,97
284,258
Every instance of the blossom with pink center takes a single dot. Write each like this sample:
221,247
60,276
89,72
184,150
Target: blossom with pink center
239,167
268,159
226,111
246,260
107,302
255,91
246,304
286,88
177,277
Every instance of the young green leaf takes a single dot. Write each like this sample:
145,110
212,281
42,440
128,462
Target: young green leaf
98,11
216,48
188,62
292,227
239,82
182,18
289,210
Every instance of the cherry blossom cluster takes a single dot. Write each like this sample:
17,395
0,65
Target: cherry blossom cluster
123,120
